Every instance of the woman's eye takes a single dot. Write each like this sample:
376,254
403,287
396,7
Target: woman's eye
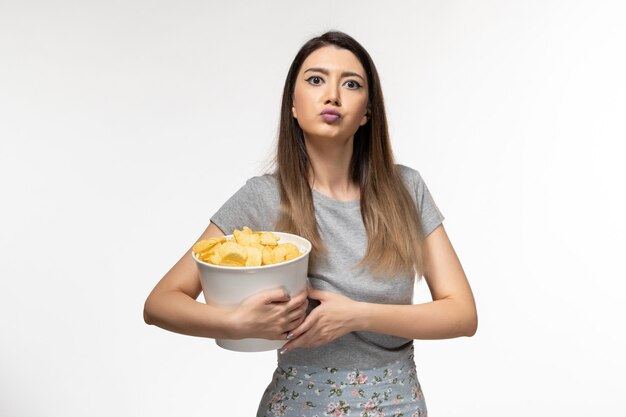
353,85
314,80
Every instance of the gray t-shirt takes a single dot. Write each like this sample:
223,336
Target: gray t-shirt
341,228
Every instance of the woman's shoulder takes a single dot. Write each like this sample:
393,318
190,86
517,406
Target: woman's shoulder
265,186
265,181
410,175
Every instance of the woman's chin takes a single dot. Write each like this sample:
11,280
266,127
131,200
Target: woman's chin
328,136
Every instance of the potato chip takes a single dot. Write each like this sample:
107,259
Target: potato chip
206,244
255,256
280,253
268,255
205,256
246,237
268,238
215,258
232,254
292,251
245,248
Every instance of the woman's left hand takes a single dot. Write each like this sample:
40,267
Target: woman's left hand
336,316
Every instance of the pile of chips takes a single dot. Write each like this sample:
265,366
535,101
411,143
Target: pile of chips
245,248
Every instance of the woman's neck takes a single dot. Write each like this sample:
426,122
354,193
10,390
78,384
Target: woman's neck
330,170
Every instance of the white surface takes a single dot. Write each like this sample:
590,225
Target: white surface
125,125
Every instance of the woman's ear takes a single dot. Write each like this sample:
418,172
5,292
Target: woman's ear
293,112
365,118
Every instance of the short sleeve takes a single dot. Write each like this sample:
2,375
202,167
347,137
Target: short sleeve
255,205
429,213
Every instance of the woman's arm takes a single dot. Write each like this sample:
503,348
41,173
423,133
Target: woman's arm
452,313
172,306
172,303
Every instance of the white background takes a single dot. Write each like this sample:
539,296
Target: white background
124,125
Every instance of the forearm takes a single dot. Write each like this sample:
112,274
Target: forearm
440,319
177,312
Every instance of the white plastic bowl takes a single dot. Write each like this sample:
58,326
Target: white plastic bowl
228,286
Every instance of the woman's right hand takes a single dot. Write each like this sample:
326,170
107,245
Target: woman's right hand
270,314
173,305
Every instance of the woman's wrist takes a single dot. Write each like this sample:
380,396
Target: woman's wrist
230,326
361,316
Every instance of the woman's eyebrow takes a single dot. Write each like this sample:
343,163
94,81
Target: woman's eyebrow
343,74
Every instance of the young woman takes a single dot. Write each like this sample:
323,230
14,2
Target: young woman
374,228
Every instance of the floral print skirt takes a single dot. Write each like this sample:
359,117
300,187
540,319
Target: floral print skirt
304,391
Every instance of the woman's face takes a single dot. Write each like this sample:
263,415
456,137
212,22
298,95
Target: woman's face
330,97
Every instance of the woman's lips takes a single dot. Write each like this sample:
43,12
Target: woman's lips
329,117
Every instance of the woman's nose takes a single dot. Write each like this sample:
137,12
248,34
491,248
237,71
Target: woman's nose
332,95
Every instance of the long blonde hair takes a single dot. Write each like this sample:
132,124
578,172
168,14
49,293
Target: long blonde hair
394,230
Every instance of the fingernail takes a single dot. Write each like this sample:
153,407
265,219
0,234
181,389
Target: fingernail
289,336
283,350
